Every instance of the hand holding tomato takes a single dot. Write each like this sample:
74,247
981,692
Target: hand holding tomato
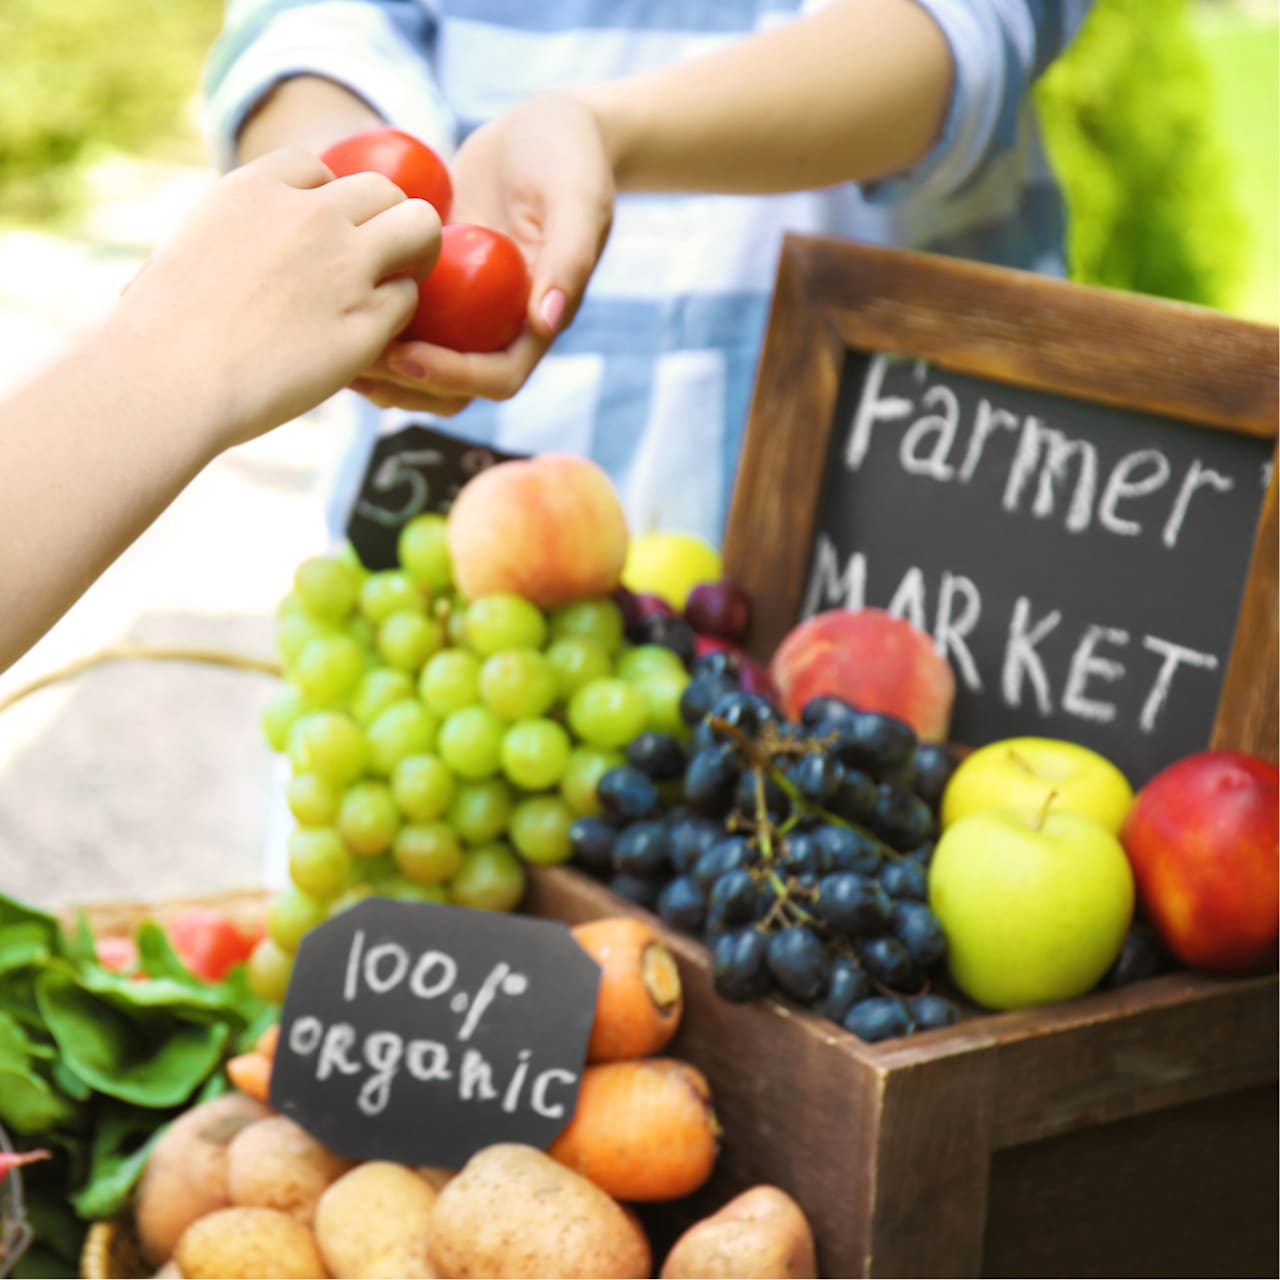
412,165
541,176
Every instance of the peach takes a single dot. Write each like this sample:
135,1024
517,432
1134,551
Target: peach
550,529
873,661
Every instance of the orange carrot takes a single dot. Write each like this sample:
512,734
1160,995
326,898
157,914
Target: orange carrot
639,1004
251,1074
268,1040
643,1130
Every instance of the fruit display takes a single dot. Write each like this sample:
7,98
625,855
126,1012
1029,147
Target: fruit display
799,850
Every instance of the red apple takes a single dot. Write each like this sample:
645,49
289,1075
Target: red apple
720,608
872,660
1202,838
550,529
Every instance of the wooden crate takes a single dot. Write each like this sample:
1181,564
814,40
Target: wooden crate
1128,1133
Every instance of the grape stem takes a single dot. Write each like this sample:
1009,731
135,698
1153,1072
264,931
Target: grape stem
129,651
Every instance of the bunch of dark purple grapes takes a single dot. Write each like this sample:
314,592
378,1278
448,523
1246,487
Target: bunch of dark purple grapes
798,851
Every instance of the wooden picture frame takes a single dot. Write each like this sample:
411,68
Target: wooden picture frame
834,298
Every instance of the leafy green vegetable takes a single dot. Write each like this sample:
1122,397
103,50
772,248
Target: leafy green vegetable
94,1065
122,1056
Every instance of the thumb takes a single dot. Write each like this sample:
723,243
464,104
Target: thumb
576,228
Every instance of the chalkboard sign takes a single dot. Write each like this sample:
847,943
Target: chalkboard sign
1071,490
411,471
421,1033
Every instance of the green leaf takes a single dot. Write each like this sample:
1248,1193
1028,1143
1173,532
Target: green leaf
28,1105
22,946
160,960
154,1062
14,912
80,947
121,1144
162,994
70,1083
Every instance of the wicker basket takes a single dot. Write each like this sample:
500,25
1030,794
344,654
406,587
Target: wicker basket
111,1252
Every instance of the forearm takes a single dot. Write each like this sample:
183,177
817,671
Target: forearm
308,112
856,91
90,454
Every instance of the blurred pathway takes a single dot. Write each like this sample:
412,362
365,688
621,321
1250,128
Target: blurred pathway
143,780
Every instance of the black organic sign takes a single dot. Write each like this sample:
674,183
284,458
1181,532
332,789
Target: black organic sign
415,470
421,1033
1080,565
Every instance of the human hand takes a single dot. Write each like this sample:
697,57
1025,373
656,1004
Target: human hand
541,175
277,291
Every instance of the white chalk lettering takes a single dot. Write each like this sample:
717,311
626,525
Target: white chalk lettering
908,600
428,1060
986,422
484,998
382,1051
538,1094
1020,656
428,961
351,983
511,1099
828,587
1058,451
940,425
872,409
1119,487
1086,664
380,983
1175,655
333,1053
955,622
1197,477
305,1036
475,1078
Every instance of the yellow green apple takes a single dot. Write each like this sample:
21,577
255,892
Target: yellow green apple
667,563
1021,773
1035,904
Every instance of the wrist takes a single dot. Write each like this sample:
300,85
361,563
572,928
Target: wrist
616,113
191,416
305,111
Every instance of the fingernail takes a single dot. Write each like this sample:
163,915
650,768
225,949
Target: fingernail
552,309
405,367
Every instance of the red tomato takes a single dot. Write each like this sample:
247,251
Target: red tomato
117,954
208,943
406,160
476,295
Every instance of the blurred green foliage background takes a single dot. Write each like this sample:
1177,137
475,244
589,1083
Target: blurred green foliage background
1161,120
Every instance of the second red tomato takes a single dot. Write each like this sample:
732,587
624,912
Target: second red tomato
406,160
476,295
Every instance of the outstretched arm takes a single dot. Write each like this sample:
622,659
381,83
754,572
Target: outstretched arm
280,288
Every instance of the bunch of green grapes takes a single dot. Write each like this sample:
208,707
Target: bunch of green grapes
437,744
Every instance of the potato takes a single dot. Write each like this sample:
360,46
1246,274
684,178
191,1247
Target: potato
277,1164
186,1174
373,1222
513,1211
240,1244
761,1235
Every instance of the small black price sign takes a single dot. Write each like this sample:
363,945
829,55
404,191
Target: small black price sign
421,1033
415,470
